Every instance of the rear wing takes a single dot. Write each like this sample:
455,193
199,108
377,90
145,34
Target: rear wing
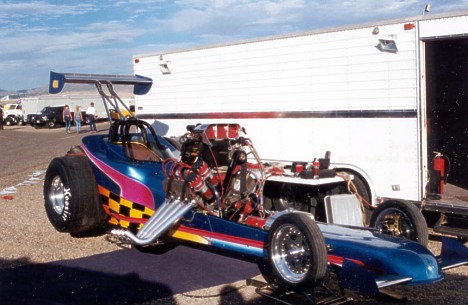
141,86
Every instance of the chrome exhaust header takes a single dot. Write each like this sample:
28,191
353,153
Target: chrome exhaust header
165,217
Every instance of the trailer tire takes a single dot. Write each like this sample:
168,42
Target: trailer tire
71,198
285,198
400,218
297,254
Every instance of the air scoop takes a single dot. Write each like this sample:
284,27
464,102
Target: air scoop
164,218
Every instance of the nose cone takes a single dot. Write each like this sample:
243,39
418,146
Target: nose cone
385,256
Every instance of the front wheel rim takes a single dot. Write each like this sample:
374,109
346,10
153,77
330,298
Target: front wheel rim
57,195
291,253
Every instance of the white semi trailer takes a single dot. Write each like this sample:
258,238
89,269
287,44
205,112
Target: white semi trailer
388,99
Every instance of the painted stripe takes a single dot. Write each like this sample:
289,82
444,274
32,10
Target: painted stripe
131,189
222,237
338,260
409,113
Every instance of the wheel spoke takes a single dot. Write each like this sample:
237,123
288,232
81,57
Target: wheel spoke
291,254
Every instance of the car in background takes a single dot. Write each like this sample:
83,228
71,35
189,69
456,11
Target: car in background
13,114
49,116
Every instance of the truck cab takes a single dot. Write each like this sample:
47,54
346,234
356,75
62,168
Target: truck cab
12,114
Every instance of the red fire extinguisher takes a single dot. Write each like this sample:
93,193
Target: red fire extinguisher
439,166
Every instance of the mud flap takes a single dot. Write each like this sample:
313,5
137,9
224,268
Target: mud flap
453,254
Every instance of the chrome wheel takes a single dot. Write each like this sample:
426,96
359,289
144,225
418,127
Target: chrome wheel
291,253
57,195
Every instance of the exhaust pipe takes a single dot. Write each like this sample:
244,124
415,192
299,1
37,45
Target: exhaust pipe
164,218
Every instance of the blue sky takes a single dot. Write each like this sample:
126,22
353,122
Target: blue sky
102,36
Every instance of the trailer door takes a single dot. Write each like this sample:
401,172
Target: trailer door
447,105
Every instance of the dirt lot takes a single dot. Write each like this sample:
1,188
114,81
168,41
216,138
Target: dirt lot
27,237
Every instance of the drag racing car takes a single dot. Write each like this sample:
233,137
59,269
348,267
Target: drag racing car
211,189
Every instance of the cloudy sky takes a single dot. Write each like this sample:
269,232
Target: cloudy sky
102,36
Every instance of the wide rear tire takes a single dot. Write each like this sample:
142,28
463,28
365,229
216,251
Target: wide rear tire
72,201
297,254
400,218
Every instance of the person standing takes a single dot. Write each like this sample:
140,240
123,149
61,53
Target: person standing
78,118
91,113
67,118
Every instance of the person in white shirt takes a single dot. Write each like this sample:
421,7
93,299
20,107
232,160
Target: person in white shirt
91,113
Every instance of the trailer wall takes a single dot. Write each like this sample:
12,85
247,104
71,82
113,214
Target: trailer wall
302,95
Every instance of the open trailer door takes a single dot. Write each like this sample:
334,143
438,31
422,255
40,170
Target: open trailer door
447,127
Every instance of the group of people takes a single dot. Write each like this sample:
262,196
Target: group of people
78,118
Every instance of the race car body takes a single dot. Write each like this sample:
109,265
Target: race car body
216,192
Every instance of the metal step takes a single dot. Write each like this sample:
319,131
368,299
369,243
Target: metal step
456,231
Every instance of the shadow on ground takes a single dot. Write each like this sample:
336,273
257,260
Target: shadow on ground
119,277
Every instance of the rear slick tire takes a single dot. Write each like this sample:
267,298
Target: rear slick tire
71,197
297,254
400,218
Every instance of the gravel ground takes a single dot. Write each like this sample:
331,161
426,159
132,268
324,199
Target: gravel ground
27,237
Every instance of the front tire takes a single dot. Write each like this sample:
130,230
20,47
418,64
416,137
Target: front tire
297,254
71,197
8,122
52,123
400,218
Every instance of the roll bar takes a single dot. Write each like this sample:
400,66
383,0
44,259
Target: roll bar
141,86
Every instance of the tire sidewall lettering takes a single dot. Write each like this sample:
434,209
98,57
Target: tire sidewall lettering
67,196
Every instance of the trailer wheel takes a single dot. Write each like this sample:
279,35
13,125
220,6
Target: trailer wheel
297,254
287,198
400,218
72,201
